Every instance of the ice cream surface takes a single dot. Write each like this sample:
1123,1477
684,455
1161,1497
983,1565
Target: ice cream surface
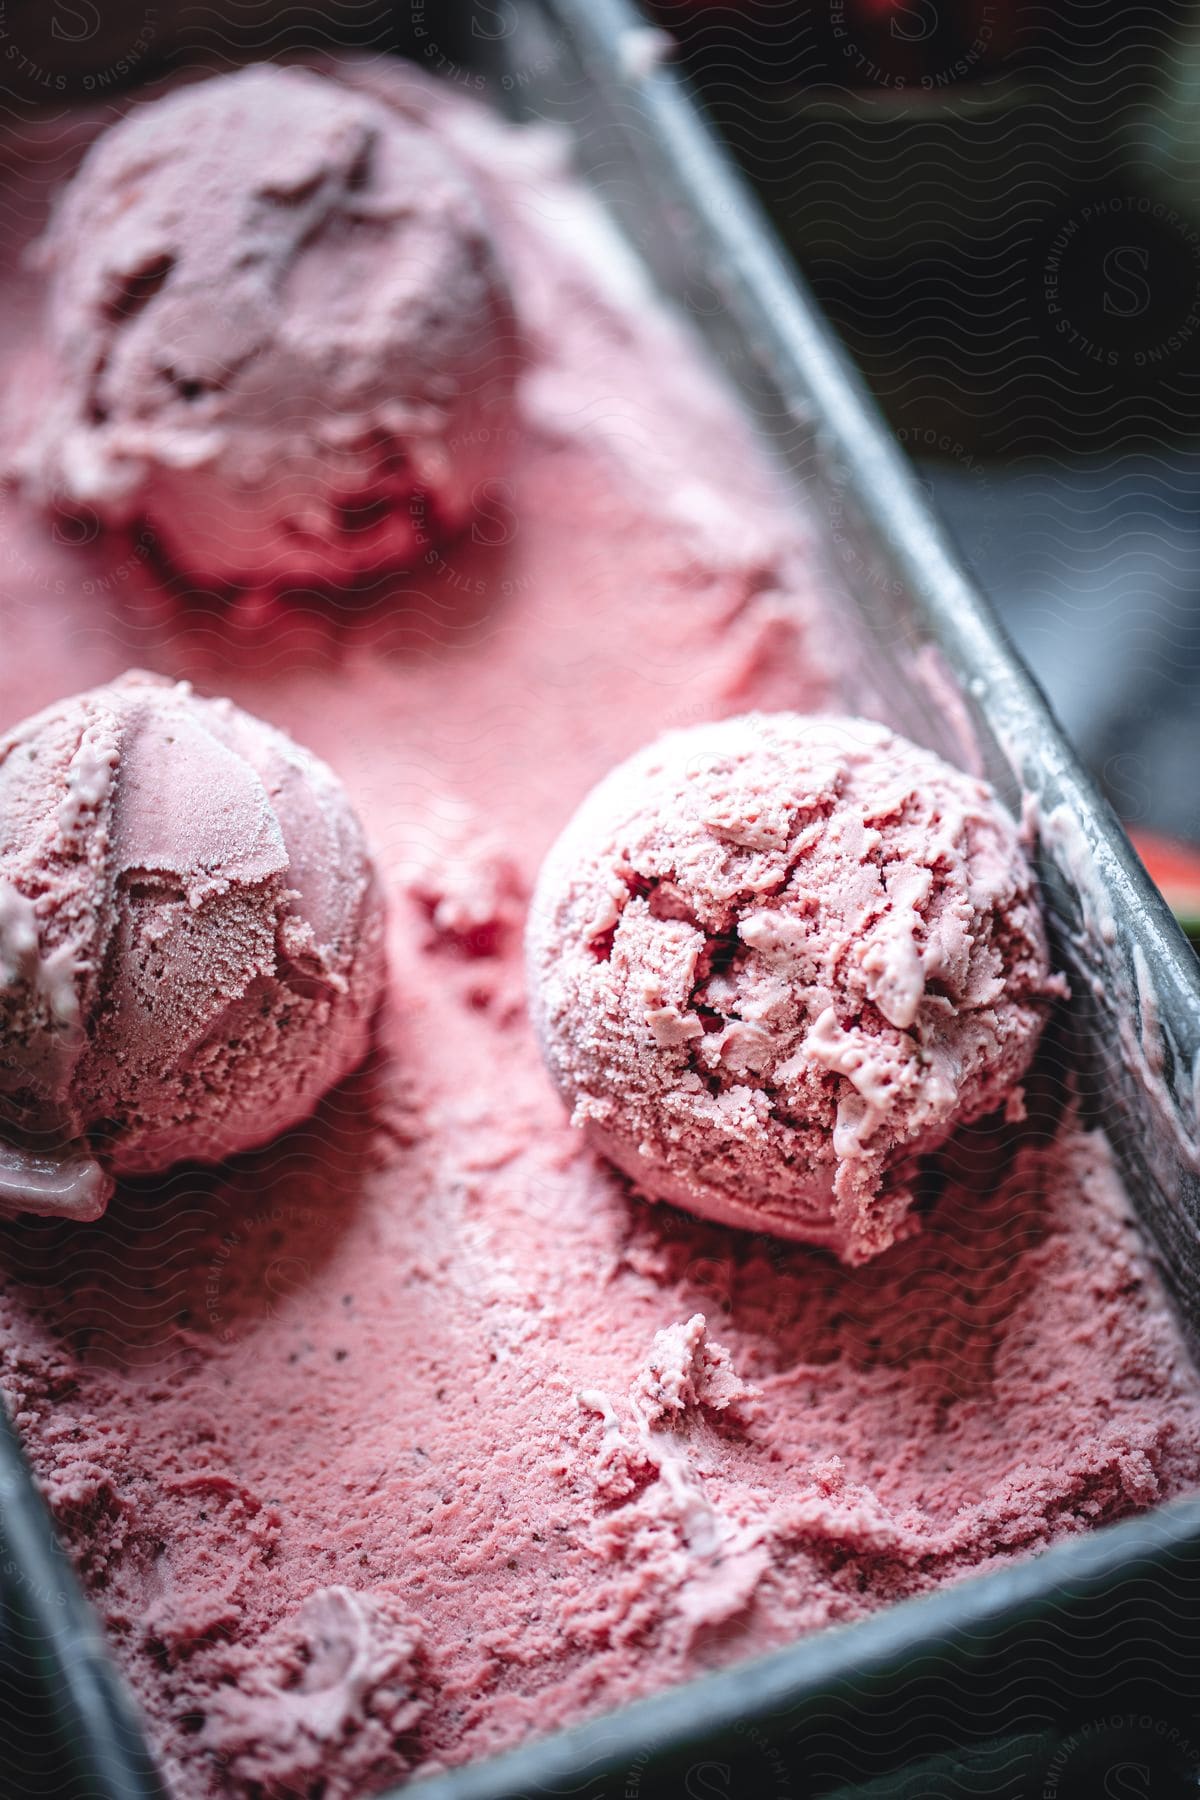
774,960
418,1433
281,335
191,939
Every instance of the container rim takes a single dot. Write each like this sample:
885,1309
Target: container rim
915,1642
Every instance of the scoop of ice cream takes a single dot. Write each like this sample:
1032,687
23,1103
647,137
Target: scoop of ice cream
281,335
191,939
775,960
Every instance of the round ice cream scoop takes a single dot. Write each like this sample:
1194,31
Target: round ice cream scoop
191,939
775,960
280,334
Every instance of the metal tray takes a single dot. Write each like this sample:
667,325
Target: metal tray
1009,1684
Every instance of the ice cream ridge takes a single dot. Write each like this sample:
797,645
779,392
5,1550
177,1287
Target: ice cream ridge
776,960
191,939
280,334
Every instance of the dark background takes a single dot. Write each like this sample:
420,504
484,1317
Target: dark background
998,205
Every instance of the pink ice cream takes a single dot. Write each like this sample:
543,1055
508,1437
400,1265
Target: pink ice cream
419,1434
280,333
776,960
190,939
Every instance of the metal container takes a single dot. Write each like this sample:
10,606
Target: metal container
1008,1684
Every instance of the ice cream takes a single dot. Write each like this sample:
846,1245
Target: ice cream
774,961
190,939
279,331
419,1434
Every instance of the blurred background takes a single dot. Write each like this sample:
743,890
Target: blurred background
998,205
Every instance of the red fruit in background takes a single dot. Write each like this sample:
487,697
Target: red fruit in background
1174,868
